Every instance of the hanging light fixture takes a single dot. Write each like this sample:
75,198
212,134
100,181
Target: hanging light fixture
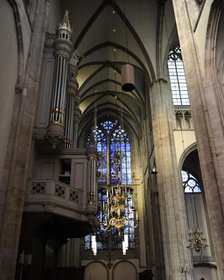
117,213
127,69
127,77
117,209
196,239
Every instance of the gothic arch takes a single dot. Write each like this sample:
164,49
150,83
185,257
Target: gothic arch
124,270
186,153
9,80
214,54
20,46
96,270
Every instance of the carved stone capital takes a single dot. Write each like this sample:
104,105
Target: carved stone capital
55,135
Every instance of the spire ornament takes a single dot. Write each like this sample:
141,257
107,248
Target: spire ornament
64,28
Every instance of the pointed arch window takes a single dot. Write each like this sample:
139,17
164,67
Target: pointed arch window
113,145
196,215
177,77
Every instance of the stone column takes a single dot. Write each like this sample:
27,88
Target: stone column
72,104
171,198
19,145
207,110
63,50
91,192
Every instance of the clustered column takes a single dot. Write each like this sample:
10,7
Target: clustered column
63,50
177,258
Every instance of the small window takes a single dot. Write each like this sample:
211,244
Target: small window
190,183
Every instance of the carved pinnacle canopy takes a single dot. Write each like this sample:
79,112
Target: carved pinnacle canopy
64,26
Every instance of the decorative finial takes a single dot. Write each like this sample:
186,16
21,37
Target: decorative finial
64,29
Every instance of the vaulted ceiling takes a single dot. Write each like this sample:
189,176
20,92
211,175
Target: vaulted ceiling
106,35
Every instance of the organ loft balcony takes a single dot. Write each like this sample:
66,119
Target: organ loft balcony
61,187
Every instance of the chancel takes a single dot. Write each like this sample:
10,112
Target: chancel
112,139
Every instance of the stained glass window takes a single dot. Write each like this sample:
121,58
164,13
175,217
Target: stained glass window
177,77
113,145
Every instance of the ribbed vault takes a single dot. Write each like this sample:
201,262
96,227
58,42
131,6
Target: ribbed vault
106,35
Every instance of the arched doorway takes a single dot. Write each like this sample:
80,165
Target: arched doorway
124,271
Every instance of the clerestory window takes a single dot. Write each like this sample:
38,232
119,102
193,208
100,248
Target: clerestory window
177,77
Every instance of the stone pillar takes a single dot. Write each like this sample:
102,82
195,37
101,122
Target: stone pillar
63,50
72,105
207,110
91,192
171,199
19,145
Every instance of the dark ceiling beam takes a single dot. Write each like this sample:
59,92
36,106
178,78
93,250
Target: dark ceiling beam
119,47
150,75
103,65
131,125
89,24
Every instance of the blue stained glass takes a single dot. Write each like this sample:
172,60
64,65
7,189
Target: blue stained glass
87,242
123,147
112,147
109,132
197,189
108,125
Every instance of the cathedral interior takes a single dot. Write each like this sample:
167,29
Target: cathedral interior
112,140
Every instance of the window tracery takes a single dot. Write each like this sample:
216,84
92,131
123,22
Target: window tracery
190,183
177,77
112,145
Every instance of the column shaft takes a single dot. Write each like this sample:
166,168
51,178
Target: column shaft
171,197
